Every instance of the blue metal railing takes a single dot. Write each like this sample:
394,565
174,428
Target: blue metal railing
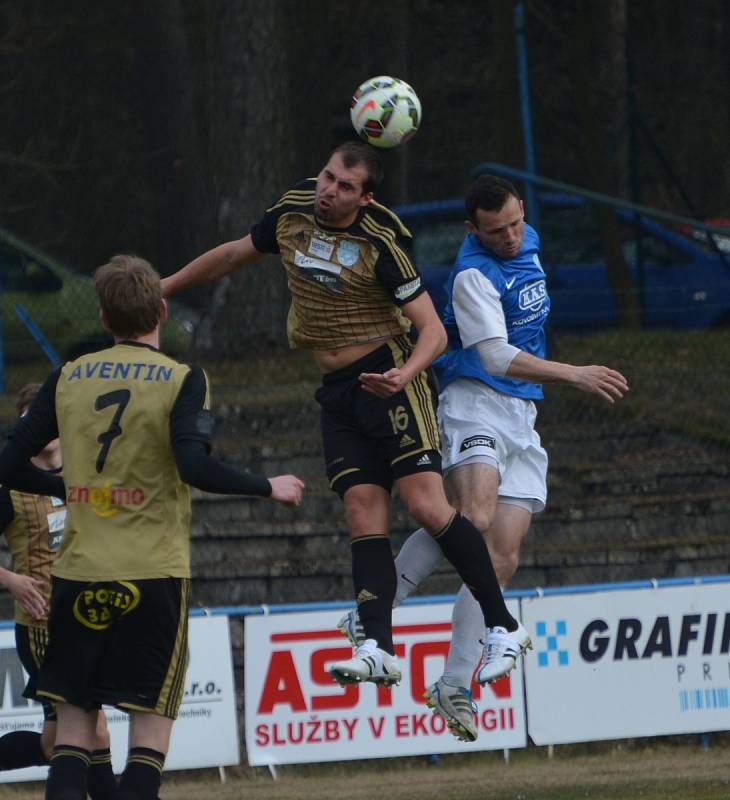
38,335
333,605
550,591
598,197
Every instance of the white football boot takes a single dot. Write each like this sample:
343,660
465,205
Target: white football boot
368,663
501,652
455,705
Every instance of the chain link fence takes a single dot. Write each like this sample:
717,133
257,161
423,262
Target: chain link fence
664,447
678,376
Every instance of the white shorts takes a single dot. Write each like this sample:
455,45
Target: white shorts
481,425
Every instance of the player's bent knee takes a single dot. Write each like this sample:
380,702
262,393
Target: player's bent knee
432,516
362,521
480,519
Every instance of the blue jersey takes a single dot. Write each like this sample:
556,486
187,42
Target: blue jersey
520,284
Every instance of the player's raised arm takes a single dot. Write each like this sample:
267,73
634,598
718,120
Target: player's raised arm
191,428
198,468
501,358
607,383
212,265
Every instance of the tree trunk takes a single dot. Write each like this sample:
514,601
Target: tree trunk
244,148
598,72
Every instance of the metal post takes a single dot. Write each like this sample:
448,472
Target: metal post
2,352
2,344
38,335
635,171
531,202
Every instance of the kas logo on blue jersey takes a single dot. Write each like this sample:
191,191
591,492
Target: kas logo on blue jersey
532,296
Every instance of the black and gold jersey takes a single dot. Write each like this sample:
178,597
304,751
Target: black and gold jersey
128,509
34,534
347,284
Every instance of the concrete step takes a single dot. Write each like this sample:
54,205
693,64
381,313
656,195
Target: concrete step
240,559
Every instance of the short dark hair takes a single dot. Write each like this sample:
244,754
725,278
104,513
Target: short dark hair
26,396
354,153
129,294
488,192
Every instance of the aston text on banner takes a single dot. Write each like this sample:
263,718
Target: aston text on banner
295,713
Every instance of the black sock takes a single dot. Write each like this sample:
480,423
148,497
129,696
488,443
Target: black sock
463,546
374,579
21,749
67,775
102,785
142,776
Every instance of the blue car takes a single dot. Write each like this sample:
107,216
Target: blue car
682,281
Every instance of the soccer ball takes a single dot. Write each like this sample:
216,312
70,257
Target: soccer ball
385,111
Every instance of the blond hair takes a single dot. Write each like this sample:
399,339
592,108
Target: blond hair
129,294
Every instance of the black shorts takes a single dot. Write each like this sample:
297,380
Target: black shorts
118,643
371,440
30,644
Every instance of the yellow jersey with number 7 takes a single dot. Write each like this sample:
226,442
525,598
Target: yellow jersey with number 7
128,510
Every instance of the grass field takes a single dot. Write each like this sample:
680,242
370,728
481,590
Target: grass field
656,771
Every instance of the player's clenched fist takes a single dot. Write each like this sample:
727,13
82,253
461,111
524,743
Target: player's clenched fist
287,489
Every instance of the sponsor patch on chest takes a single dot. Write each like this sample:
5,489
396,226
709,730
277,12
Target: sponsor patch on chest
320,248
56,520
532,295
348,253
308,262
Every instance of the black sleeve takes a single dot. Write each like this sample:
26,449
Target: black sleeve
263,233
6,509
190,418
201,470
191,430
39,425
398,275
31,434
16,472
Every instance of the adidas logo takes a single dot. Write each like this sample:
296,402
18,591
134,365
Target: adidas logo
424,460
406,440
365,595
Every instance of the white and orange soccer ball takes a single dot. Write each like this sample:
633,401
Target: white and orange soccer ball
385,111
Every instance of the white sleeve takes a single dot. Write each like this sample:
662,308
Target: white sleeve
477,308
496,355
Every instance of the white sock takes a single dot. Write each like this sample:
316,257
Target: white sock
418,558
467,640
